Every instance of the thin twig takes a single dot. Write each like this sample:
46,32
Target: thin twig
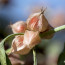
34,57
52,31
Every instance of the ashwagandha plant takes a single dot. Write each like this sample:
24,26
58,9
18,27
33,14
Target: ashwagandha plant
27,36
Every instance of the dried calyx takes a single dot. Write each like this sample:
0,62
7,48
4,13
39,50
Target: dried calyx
18,46
22,44
37,22
19,27
31,38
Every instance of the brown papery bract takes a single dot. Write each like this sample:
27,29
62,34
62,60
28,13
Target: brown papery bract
19,27
31,38
48,36
37,22
15,59
18,46
22,44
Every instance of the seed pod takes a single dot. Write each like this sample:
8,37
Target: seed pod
37,22
19,27
31,38
22,44
48,36
18,46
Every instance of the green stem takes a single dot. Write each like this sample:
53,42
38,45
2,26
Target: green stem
52,31
34,57
9,36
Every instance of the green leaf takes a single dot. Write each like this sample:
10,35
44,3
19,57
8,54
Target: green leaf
8,61
4,60
61,59
2,56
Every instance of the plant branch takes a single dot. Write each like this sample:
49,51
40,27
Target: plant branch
52,31
34,57
9,36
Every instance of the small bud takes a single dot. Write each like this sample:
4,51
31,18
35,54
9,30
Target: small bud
37,22
18,46
48,36
31,38
19,27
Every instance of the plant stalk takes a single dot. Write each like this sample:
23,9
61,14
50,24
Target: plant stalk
34,57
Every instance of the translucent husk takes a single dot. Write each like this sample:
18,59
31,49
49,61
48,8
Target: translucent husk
19,27
18,46
22,44
31,38
39,24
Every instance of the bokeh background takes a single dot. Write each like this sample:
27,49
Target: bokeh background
12,11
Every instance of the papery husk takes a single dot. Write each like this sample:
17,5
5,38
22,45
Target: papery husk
19,27
31,38
18,46
23,50
22,44
15,59
48,36
40,25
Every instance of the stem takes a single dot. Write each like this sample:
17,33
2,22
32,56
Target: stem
8,51
9,36
52,31
34,57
